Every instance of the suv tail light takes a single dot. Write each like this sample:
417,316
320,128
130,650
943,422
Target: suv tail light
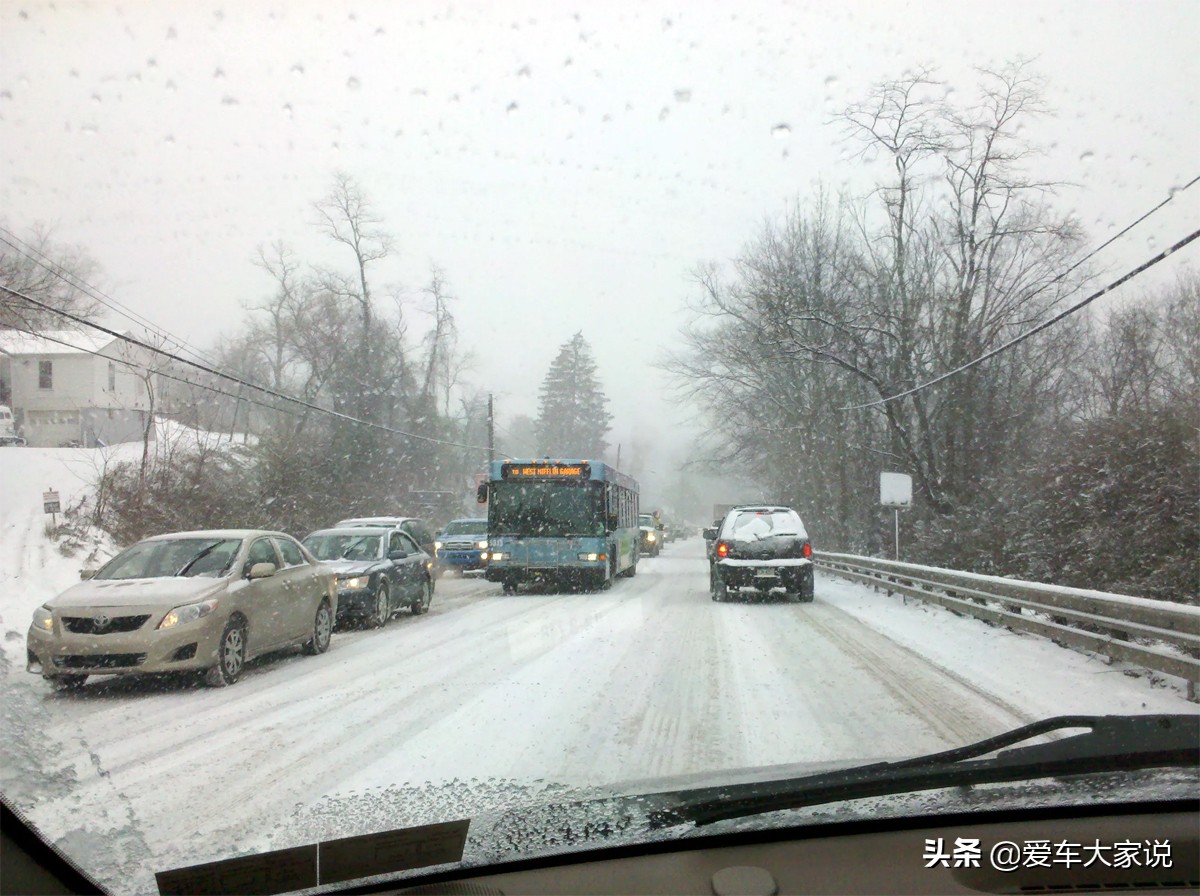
722,549
807,549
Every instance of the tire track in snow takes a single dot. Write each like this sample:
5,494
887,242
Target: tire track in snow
958,711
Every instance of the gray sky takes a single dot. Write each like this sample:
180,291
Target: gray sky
565,165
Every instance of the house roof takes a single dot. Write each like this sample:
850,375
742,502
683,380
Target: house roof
51,342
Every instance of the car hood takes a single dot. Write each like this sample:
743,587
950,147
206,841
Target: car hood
512,820
167,592
350,567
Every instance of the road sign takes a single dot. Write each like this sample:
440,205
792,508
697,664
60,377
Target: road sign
50,502
895,490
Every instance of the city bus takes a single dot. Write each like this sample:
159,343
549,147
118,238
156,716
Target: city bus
560,522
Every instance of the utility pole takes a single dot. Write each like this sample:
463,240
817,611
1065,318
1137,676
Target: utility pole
491,426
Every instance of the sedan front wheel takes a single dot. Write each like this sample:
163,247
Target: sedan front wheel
383,607
231,656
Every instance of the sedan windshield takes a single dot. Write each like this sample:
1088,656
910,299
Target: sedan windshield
177,557
345,546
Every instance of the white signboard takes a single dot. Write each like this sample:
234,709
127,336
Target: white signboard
50,502
895,489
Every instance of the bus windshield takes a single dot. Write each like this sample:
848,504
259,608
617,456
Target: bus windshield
549,508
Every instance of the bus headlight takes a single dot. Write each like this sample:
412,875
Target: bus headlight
497,555
591,558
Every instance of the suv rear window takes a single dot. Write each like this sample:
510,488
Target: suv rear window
750,525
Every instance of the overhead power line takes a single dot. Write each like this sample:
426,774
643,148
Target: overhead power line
231,377
49,265
1140,269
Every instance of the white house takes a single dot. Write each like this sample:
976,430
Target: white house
67,387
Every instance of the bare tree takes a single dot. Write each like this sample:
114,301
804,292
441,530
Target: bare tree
345,216
55,274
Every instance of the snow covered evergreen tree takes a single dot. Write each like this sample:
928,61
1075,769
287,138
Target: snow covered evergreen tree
573,419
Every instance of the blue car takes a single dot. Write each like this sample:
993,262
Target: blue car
462,545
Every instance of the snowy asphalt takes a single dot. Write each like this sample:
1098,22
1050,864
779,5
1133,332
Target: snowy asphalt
646,680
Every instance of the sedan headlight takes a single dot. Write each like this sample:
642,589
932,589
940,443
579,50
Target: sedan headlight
356,583
482,544
188,613
43,619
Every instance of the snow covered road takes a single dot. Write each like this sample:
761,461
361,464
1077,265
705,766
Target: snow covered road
649,679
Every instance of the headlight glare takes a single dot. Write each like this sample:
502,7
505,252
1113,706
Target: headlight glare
437,545
355,583
43,619
188,613
482,544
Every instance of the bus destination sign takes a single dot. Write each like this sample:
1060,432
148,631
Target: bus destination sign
545,471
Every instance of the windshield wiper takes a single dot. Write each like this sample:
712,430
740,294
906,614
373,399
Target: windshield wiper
1111,744
200,556
353,545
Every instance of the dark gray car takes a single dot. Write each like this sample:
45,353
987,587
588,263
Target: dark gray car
380,571
760,548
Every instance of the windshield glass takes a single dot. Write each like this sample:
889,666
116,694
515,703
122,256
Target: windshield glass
466,527
627,279
345,546
547,509
177,557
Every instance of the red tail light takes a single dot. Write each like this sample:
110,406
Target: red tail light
722,549
807,549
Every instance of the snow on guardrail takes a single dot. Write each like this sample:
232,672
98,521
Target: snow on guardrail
1158,635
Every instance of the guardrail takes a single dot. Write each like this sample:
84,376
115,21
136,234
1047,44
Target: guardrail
1157,635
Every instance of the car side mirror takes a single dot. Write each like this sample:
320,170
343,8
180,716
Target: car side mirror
85,574
481,493
261,571
397,555
710,533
